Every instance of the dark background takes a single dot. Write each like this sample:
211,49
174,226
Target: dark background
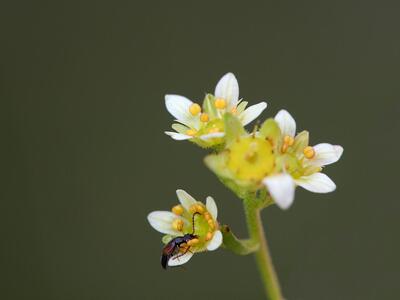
85,158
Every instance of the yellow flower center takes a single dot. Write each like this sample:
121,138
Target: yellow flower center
204,225
251,158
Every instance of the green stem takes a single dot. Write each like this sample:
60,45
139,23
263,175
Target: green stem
263,257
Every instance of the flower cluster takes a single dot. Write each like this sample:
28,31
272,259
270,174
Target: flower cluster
272,159
276,158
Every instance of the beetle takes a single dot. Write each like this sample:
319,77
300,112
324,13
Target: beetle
174,246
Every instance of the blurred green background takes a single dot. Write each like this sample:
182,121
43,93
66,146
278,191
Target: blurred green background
85,158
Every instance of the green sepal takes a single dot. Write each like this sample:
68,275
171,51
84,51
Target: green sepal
217,163
233,128
270,130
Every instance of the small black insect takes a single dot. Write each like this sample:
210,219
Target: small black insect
174,246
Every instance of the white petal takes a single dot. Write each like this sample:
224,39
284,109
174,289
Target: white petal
186,200
179,259
228,89
325,154
178,106
281,187
252,112
162,222
212,207
213,135
178,136
317,183
215,242
286,123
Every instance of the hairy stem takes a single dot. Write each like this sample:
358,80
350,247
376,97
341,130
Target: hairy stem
263,257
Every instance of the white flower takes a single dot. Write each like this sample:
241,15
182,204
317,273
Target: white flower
204,125
178,221
301,163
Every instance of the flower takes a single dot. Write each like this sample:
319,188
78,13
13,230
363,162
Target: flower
274,157
178,221
299,163
204,125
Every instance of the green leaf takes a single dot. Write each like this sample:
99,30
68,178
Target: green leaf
237,246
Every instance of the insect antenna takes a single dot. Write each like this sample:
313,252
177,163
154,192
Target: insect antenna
196,213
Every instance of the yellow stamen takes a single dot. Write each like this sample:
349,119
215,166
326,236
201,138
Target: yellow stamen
193,208
199,208
177,224
220,103
193,242
191,132
287,142
211,224
309,152
209,236
194,109
177,209
204,117
207,216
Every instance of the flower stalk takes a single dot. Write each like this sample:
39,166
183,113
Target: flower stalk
262,255
253,204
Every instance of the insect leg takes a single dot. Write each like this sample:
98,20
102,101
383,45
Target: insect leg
183,253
